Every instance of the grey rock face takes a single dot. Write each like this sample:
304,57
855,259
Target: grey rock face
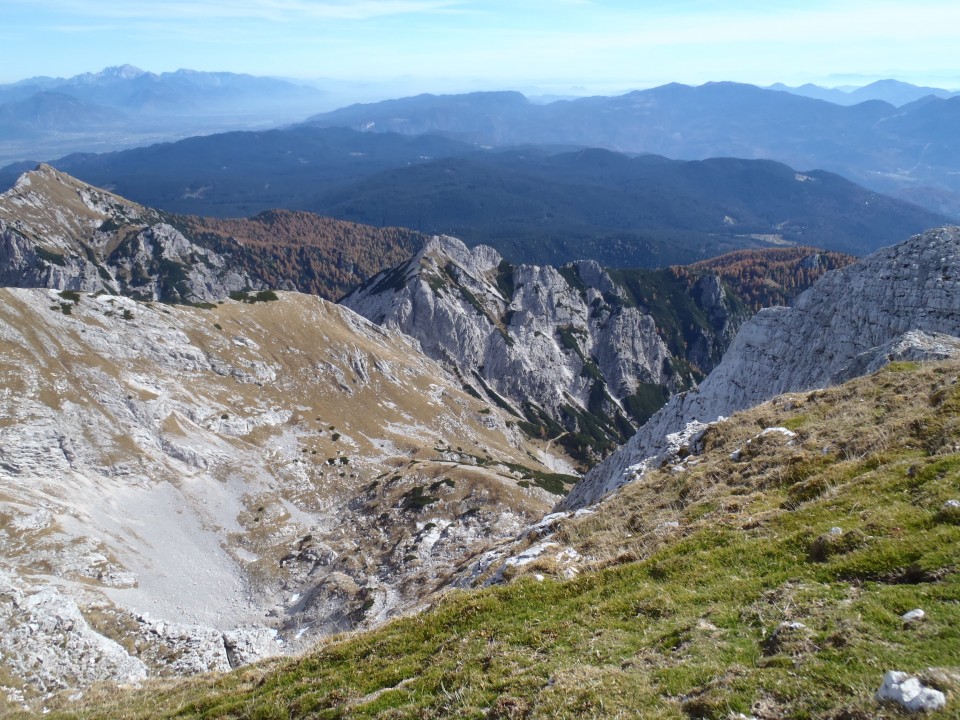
901,302
59,233
562,343
47,641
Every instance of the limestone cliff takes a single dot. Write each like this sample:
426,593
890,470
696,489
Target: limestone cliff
903,301
570,351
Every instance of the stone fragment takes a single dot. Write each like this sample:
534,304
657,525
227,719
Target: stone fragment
909,692
247,645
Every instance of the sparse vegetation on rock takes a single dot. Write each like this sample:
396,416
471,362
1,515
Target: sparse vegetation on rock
696,596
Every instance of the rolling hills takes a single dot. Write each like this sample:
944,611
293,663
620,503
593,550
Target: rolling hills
533,205
548,208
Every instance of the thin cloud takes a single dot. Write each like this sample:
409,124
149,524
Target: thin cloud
847,23
272,10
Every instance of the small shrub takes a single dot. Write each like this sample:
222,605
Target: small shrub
829,544
261,296
415,499
948,514
440,483
51,257
809,489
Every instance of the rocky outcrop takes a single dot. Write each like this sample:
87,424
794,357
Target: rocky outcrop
901,302
57,232
47,641
899,687
570,352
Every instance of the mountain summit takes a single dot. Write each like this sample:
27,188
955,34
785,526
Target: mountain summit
58,232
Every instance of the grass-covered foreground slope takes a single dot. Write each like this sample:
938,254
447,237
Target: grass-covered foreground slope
685,578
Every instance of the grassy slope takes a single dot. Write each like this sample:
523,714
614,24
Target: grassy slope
677,621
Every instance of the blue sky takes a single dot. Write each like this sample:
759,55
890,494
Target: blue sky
555,45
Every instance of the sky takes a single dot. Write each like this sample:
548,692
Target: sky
552,46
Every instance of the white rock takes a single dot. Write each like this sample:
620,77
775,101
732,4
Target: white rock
778,431
791,626
901,688
951,504
913,615
247,645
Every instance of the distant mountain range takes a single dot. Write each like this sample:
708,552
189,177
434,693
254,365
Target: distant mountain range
184,92
124,106
889,136
895,92
912,151
533,205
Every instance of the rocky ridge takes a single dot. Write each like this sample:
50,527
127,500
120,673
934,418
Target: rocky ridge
57,232
567,351
186,489
901,302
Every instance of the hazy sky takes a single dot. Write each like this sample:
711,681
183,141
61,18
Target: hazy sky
595,45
